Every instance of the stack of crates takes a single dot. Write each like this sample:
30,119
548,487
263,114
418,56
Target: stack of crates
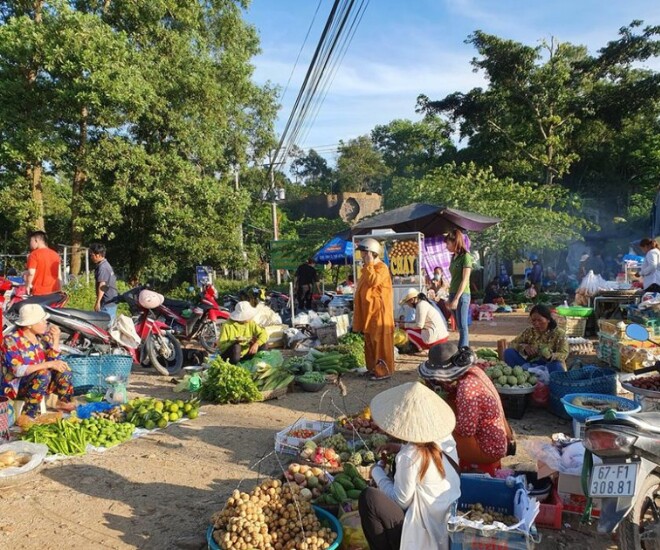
609,350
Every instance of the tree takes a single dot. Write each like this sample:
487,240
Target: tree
313,171
528,122
410,149
360,166
534,216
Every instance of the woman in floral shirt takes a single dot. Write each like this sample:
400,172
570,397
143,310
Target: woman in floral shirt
481,432
542,343
32,368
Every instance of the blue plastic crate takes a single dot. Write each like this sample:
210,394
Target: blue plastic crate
496,494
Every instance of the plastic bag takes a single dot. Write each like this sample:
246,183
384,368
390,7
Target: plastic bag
541,395
38,452
541,373
567,460
274,358
592,283
354,538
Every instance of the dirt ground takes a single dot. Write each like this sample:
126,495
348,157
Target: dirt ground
159,491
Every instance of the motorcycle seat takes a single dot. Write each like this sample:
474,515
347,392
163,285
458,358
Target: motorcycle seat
649,421
43,300
177,304
97,318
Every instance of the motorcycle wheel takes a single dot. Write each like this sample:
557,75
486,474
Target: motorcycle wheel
165,353
208,336
640,530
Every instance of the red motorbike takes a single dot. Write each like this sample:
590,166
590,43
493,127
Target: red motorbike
190,321
13,294
159,347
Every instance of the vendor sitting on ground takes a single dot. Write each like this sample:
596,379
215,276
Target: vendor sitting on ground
429,327
32,368
241,337
411,510
542,344
482,432
492,294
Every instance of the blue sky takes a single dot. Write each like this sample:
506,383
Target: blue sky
406,47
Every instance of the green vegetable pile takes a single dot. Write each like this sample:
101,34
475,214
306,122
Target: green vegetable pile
70,437
507,377
488,354
149,413
311,378
226,383
354,345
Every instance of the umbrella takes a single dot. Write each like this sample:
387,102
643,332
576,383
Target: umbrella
336,251
428,219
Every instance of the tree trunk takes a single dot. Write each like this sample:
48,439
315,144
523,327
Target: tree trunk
549,172
79,178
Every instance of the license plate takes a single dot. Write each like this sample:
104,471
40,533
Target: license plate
613,480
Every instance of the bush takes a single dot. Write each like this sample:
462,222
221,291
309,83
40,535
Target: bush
82,295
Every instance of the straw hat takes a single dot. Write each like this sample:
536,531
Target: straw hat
31,314
124,332
412,412
412,293
243,312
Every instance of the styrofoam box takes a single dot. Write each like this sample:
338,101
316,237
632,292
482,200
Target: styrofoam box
578,429
291,445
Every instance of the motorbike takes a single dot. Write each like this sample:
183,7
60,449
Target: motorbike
195,322
159,347
13,296
628,480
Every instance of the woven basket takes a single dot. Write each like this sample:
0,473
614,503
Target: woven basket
588,379
91,371
274,394
572,326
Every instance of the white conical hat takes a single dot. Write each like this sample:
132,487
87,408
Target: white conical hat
412,412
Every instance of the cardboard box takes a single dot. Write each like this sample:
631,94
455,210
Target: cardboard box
572,497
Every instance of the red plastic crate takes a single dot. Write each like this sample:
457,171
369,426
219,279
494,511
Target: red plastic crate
550,511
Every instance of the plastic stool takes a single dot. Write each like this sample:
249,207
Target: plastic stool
18,405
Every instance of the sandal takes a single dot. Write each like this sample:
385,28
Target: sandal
378,378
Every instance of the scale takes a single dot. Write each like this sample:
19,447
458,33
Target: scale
116,392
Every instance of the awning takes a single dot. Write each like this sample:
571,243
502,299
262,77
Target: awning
336,251
428,219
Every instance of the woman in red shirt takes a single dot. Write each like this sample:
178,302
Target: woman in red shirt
482,433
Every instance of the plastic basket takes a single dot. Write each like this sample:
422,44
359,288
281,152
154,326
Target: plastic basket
574,311
321,514
581,414
550,512
515,405
588,379
291,445
91,371
496,494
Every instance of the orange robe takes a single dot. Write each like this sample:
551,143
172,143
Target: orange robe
373,315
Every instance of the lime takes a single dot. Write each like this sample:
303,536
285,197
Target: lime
162,423
187,407
193,414
174,417
149,425
179,403
174,408
158,405
166,417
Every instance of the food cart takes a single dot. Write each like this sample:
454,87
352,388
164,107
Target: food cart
402,254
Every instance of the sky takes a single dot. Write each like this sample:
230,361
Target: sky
403,48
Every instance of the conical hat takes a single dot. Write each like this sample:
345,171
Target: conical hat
412,412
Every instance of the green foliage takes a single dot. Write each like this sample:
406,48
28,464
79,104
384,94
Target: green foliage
360,166
225,383
82,295
533,216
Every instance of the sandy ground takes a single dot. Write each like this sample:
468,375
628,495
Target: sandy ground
159,491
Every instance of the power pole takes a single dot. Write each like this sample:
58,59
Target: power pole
273,208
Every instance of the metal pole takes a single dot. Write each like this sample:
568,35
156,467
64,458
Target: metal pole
87,265
292,302
276,231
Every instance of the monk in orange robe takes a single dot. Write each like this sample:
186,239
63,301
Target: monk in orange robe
373,311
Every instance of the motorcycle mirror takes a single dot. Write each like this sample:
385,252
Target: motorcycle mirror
637,332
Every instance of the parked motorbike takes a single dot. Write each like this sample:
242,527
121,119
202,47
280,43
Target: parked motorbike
191,321
628,480
13,294
159,347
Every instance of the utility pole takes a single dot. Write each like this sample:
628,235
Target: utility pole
244,272
273,207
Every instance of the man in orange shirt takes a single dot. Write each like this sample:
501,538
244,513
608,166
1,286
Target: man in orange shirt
43,266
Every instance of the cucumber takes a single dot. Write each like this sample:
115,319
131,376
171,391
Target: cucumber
345,481
338,491
354,494
360,484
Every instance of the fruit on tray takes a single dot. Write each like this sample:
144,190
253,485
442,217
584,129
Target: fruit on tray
479,512
273,515
302,434
361,423
346,486
594,403
310,478
650,383
10,459
321,456
510,377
